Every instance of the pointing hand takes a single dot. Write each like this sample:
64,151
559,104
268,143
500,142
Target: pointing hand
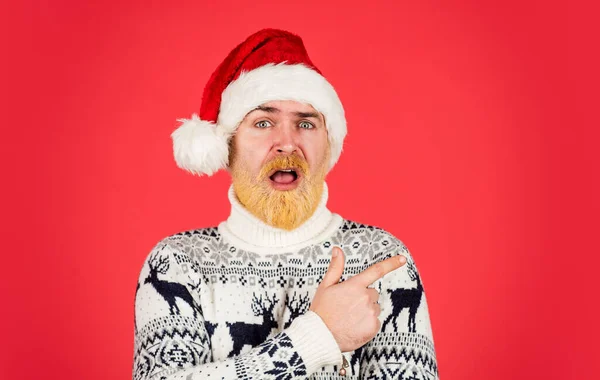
350,309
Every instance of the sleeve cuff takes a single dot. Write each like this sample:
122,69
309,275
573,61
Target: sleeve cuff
314,342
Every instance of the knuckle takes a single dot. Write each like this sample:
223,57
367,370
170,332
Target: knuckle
376,310
377,325
364,298
372,328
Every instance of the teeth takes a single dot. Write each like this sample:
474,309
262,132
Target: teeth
287,170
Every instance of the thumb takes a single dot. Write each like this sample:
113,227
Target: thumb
336,268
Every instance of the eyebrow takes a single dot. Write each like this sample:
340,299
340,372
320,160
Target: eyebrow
267,109
277,110
307,114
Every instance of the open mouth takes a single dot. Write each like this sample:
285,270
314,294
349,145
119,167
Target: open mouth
284,176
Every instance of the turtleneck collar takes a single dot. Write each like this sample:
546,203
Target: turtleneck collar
250,233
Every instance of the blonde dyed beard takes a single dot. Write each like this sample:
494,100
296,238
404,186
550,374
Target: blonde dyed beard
281,209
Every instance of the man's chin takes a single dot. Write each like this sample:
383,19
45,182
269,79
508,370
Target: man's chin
284,207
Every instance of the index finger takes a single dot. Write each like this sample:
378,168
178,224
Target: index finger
377,271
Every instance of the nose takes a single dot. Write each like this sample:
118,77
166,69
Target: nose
285,139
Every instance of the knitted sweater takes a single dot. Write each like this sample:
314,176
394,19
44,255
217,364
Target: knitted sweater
232,302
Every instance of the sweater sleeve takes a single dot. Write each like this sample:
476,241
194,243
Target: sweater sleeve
404,347
171,339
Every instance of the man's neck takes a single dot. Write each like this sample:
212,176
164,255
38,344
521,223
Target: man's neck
251,233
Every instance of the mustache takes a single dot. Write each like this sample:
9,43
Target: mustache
283,162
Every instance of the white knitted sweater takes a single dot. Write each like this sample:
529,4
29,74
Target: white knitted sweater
232,302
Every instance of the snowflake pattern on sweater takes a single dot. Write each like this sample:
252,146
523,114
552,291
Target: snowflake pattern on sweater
205,308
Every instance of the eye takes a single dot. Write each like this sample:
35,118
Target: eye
306,125
263,124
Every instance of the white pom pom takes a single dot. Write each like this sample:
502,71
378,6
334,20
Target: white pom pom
200,147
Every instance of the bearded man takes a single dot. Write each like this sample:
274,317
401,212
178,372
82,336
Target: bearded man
284,288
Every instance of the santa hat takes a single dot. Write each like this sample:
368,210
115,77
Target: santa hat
269,65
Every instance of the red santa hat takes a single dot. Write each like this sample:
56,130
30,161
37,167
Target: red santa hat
269,65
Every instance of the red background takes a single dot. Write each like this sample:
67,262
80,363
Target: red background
467,139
